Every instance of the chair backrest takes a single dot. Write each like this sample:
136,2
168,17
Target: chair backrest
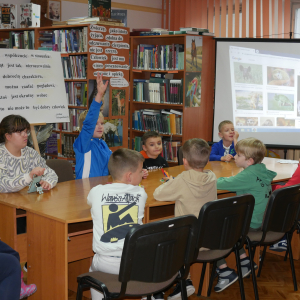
180,156
282,211
222,223
155,252
62,168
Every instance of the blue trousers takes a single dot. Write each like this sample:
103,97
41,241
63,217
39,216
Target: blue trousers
10,273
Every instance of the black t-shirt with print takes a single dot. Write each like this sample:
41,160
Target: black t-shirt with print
157,163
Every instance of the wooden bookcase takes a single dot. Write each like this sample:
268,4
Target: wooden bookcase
4,34
197,121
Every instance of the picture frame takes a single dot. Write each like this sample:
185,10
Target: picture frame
54,10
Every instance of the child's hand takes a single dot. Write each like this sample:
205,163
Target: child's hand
38,171
145,173
227,157
101,88
235,137
45,185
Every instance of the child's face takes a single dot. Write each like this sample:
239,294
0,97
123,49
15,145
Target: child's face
241,161
99,129
227,133
137,176
153,147
18,139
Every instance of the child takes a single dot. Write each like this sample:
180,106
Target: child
92,153
12,285
282,244
256,180
224,149
19,163
152,148
116,208
190,190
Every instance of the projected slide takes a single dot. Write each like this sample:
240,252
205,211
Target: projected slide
264,91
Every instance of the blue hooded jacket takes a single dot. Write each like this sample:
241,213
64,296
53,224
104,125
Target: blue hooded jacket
217,151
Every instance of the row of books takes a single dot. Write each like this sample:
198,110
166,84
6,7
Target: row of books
159,57
169,151
90,20
61,145
63,40
21,40
158,90
76,93
74,67
71,126
161,31
162,121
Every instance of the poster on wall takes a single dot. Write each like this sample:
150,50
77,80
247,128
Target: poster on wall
54,10
113,132
193,53
193,89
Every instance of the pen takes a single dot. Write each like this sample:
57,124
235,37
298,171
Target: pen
164,172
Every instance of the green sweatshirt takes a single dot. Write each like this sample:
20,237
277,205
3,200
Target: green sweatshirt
254,180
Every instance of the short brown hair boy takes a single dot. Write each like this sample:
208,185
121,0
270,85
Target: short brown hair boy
149,134
124,160
251,148
196,152
225,122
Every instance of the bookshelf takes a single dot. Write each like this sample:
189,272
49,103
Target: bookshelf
76,52
196,119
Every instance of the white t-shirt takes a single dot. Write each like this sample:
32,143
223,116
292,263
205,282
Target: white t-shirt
115,209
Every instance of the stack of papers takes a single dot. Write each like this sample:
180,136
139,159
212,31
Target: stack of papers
288,161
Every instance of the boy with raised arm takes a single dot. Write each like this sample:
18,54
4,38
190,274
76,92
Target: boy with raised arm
255,179
224,149
190,190
92,153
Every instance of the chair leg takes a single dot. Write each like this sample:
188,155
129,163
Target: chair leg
201,279
288,237
251,256
238,264
149,297
183,290
262,261
79,292
286,254
212,276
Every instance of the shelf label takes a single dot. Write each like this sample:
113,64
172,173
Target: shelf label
119,82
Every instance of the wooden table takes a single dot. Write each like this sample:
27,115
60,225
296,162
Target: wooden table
58,242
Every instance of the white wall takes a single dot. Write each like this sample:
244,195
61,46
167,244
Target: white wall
135,19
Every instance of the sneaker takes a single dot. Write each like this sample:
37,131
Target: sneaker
281,246
27,290
177,290
25,267
227,277
158,296
245,266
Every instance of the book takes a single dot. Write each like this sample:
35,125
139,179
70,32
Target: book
30,15
193,29
99,8
8,15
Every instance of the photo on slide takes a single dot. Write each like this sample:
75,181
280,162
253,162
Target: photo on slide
249,100
280,76
280,102
118,102
246,121
285,122
267,121
248,73
193,53
105,98
113,132
193,89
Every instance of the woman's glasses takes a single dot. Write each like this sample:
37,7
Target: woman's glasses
23,133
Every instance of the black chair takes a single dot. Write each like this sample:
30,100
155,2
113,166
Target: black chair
62,168
154,256
281,217
180,156
223,226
